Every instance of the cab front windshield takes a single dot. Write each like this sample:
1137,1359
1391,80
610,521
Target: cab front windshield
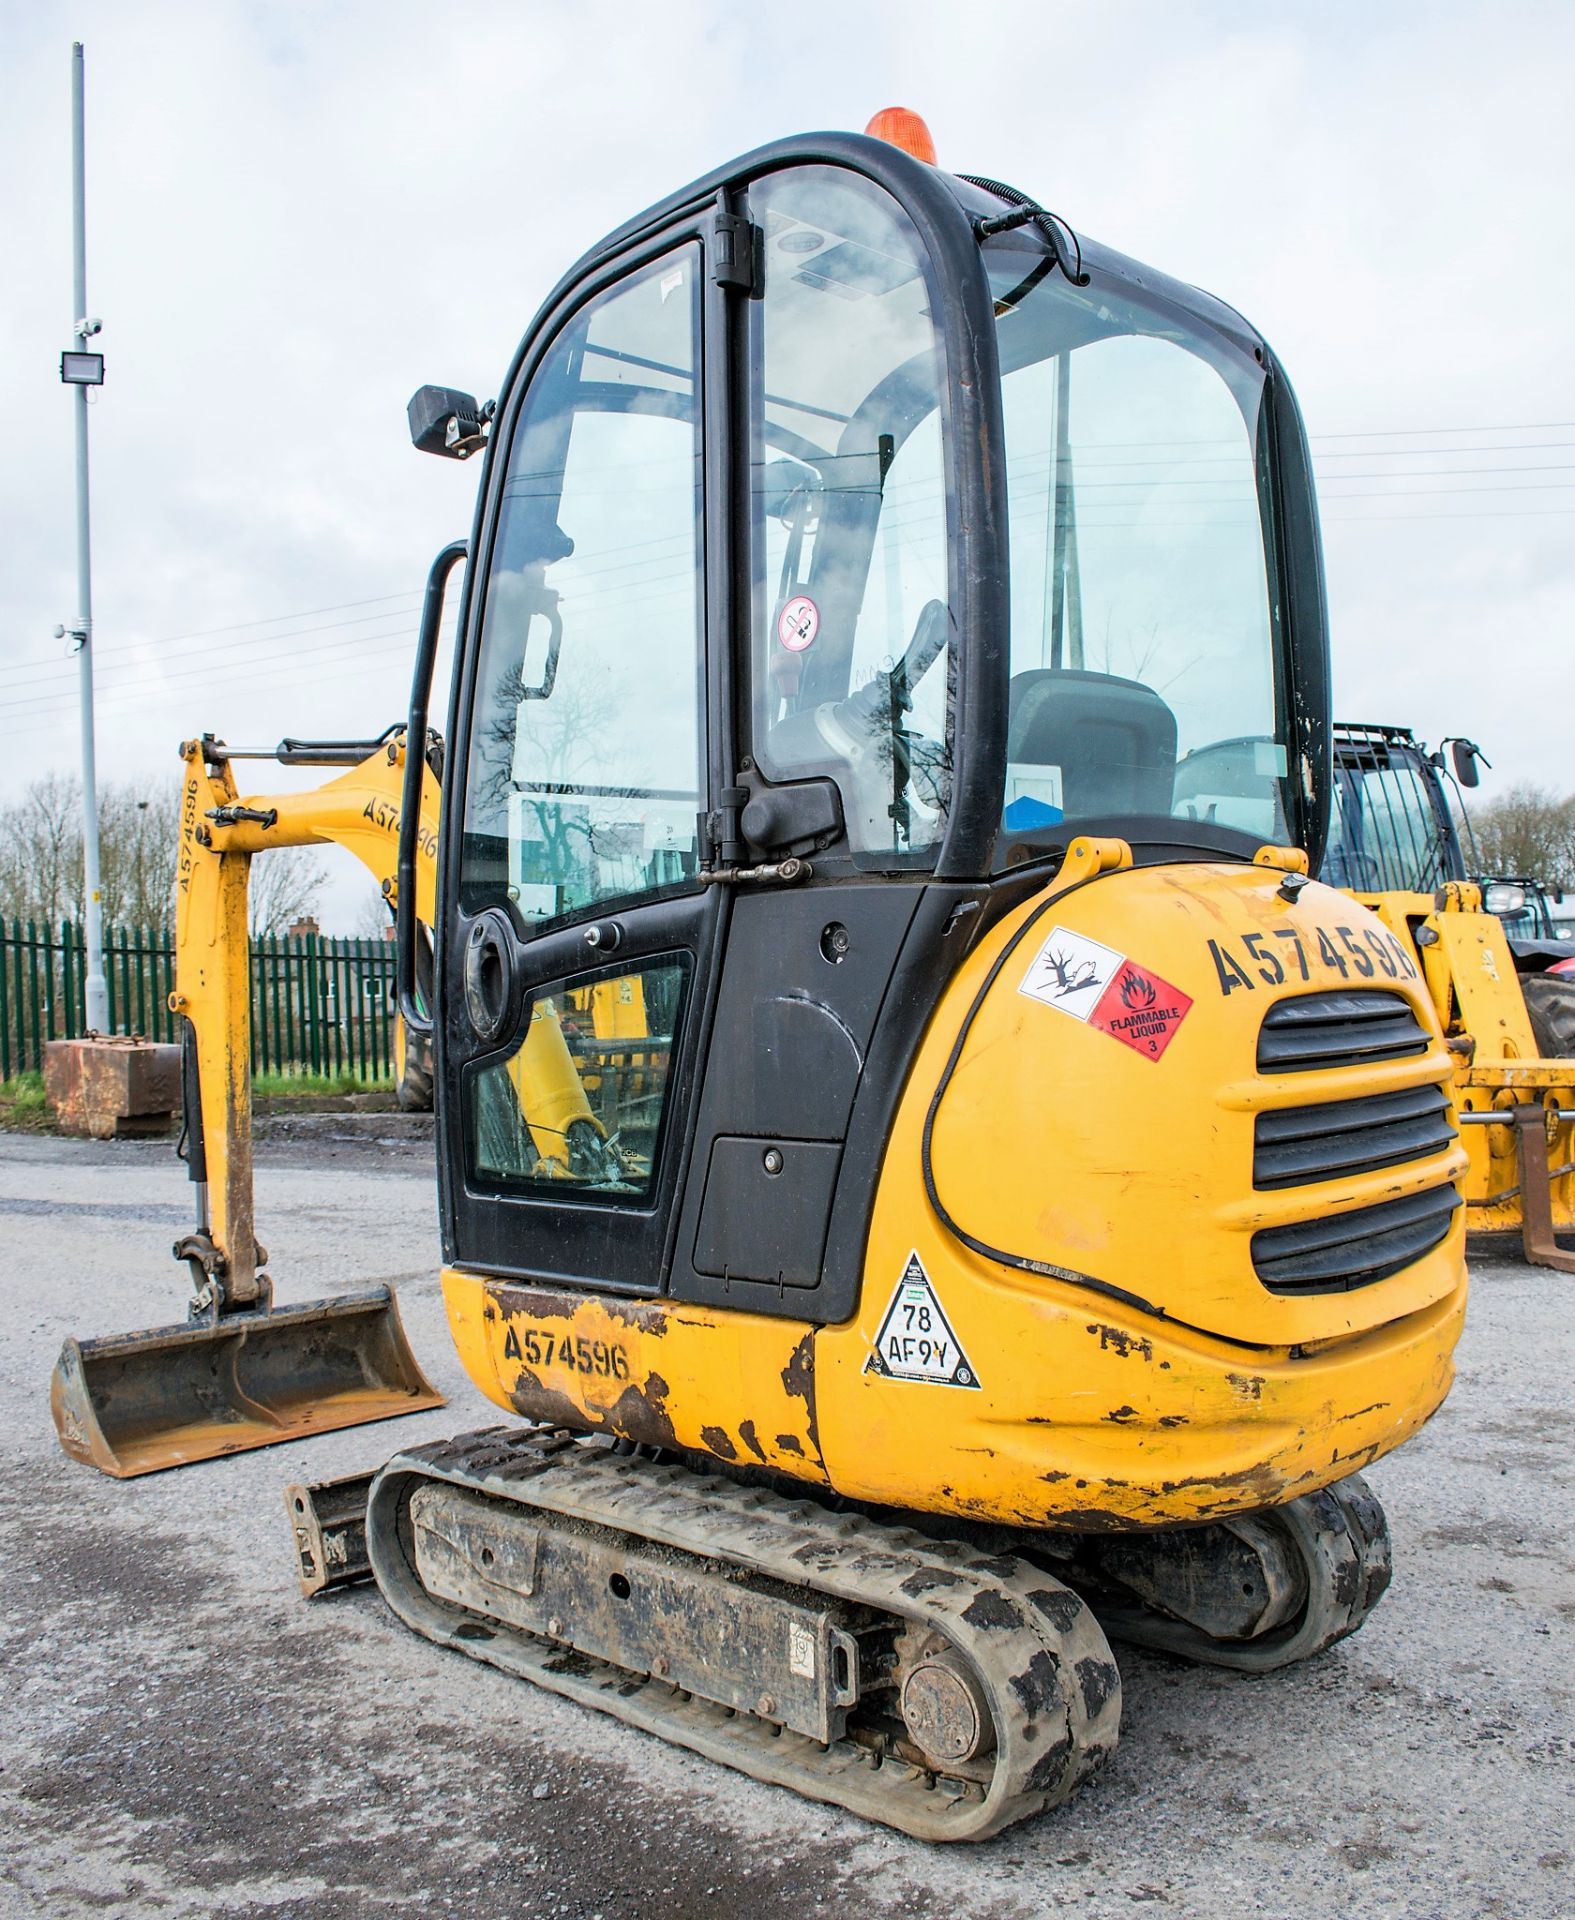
1144,645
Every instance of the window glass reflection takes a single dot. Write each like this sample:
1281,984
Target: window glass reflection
1143,636
578,1106
853,651
585,769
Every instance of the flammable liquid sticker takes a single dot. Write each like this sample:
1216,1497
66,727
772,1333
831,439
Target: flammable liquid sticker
1140,1010
916,1341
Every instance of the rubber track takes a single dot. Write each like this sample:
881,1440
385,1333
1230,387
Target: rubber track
1036,1649
1342,1539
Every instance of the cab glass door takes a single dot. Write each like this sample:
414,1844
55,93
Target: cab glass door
584,776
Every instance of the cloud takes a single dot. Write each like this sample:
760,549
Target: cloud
298,214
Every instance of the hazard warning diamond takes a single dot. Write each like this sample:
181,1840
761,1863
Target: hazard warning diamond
916,1341
1140,1009
1070,972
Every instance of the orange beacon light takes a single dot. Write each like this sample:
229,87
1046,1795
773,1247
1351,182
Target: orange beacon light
902,127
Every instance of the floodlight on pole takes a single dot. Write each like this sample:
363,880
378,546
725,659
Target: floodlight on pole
81,369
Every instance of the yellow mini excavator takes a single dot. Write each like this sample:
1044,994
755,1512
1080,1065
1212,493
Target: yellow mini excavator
1505,999
1009,1201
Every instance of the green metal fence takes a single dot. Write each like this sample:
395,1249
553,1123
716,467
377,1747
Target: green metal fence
319,1005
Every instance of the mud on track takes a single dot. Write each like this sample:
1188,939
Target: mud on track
181,1735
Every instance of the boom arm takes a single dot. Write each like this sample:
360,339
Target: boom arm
219,835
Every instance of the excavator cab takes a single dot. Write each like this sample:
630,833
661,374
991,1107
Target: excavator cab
911,1135
1391,829
837,565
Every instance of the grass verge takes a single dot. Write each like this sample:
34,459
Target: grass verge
23,1108
281,1086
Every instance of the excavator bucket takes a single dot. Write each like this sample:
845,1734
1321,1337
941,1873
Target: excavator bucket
139,1402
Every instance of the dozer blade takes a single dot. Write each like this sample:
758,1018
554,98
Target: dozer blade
328,1519
139,1402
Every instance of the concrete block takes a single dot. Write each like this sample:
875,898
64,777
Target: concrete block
112,1087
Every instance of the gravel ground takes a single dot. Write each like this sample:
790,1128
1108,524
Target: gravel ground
182,1735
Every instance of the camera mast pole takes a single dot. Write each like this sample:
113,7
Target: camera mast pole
81,630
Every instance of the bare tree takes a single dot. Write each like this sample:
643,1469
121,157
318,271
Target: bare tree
285,885
372,917
139,845
1529,830
138,851
41,852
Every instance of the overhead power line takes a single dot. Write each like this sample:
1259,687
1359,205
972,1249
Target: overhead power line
366,647
277,647
248,651
1498,446
207,633
1420,433
1382,519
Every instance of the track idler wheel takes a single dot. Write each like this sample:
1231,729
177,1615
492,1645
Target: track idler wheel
1257,1593
944,1709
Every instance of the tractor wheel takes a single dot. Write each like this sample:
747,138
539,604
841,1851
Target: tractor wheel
413,1079
1550,1001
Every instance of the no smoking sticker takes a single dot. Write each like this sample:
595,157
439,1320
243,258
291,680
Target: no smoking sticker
798,623
1104,989
916,1341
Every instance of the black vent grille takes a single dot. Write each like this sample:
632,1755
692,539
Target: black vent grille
1345,1251
1301,1145
1339,1029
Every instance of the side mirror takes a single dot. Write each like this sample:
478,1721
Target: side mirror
444,420
1466,754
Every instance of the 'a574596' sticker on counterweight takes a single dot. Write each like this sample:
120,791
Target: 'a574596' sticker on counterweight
1289,955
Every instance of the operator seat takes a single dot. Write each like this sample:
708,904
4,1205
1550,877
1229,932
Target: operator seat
1114,740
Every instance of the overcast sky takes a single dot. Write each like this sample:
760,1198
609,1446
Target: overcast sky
298,214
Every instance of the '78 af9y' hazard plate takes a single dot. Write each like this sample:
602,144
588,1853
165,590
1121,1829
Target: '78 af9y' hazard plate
1104,989
916,1341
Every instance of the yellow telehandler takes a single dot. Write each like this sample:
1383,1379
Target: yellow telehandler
888,738
1505,1001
